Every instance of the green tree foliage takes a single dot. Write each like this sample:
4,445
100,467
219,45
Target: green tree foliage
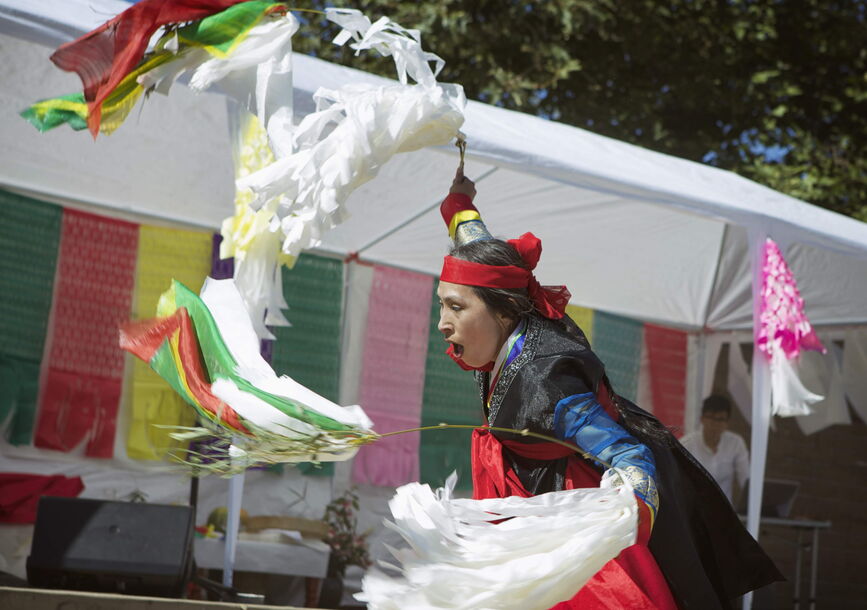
775,90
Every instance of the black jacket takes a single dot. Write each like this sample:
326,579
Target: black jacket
700,544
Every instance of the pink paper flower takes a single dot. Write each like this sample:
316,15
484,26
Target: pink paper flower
783,325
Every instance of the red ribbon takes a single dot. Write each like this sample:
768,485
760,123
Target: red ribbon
550,301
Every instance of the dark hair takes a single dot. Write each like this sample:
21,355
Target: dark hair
716,403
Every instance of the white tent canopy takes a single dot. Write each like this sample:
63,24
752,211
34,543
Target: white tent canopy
628,230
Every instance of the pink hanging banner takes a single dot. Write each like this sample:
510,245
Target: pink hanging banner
392,374
667,355
93,296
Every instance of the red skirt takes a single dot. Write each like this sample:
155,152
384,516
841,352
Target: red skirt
632,580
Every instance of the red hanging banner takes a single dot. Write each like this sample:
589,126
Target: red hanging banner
93,296
667,353
21,493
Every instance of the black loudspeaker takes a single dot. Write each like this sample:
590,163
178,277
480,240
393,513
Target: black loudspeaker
121,547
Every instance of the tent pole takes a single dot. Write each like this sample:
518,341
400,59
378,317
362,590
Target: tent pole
761,409
233,519
697,378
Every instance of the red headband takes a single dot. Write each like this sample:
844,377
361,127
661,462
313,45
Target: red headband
550,301
459,271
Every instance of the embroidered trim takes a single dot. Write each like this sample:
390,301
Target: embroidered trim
482,383
533,333
643,486
510,350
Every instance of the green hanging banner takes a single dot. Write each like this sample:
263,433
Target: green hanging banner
450,396
309,350
617,342
29,240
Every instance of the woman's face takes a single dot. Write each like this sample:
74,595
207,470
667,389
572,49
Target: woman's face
466,322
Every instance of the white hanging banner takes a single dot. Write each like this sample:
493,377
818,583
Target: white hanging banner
854,369
821,373
739,383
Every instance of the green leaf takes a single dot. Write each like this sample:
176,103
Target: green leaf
764,76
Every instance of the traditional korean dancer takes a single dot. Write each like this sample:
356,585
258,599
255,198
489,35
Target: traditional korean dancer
536,371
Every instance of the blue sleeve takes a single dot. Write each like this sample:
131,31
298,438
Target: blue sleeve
580,419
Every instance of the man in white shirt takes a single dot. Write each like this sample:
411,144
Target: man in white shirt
723,454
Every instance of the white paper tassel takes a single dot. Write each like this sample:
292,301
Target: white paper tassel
368,125
354,131
254,274
547,548
789,397
389,39
258,73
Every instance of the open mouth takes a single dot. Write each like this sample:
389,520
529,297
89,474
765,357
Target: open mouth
456,351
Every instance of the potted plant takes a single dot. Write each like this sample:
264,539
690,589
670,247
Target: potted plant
348,547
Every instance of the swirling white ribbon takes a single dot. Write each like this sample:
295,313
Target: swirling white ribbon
499,553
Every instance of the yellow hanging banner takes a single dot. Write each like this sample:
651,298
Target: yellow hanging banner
163,254
583,317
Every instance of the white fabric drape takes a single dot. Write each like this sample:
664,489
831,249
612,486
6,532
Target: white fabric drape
821,374
855,371
739,384
543,553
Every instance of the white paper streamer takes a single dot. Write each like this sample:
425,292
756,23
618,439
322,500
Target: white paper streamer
354,131
789,397
228,310
257,73
389,39
546,549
